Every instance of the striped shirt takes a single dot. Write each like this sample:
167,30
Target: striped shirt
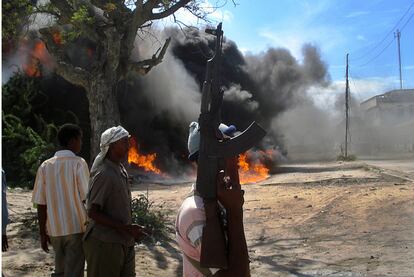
61,184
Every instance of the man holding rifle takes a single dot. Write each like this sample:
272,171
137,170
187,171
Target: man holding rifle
191,220
213,243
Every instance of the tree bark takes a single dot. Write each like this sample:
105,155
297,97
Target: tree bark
103,109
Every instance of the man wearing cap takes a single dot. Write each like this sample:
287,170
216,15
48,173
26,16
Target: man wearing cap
110,235
191,219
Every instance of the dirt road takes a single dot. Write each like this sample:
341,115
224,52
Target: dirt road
318,219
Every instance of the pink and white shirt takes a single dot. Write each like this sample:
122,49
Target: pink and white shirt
189,225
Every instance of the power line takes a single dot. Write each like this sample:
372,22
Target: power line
407,22
388,45
390,32
379,54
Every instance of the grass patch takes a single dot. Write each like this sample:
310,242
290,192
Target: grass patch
344,158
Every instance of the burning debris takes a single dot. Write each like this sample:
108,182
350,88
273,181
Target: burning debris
37,60
145,162
57,37
254,166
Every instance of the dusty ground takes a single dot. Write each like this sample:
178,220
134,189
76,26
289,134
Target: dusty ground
318,219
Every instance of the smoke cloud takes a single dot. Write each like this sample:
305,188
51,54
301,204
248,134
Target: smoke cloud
157,108
293,99
241,97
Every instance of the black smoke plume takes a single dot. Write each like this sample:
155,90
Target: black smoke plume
257,87
158,108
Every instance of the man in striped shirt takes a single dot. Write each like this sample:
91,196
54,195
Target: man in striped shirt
59,191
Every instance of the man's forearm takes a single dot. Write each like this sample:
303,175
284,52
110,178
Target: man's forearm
42,216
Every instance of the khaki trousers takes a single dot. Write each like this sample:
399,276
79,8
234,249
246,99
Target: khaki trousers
69,257
105,259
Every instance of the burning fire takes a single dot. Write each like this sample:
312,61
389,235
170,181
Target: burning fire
251,171
57,38
145,162
38,56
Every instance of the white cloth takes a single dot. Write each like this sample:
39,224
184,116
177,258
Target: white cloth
193,143
110,135
193,138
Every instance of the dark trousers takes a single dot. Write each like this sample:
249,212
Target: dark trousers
105,259
69,257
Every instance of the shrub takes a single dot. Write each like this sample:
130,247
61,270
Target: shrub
152,218
30,123
344,158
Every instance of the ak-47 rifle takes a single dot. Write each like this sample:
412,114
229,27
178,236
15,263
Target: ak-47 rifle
213,152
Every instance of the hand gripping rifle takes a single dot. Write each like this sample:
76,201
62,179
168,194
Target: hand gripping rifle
213,152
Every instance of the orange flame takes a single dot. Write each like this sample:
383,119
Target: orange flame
252,171
145,162
32,68
38,56
57,38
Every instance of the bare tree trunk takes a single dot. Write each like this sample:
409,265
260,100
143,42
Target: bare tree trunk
103,109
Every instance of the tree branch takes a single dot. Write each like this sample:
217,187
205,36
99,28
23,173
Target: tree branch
143,67
97,13
143,13
41,10
137,20
66,12
72,74
65,9
170,10
52,46
151,4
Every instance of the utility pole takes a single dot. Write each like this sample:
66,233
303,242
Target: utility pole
398,35
346,108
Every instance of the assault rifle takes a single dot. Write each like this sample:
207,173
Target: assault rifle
215,152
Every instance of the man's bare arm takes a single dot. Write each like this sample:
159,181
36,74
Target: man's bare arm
42,216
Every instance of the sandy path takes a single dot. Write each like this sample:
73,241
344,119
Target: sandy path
326,219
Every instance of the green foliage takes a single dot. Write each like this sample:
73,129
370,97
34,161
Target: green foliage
145,214
28,139
81,16
23,151
15,17
109,7
79,19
